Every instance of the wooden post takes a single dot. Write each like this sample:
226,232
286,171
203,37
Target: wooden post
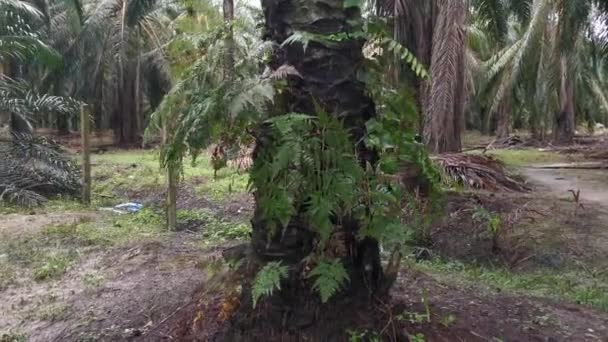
172,180
85,131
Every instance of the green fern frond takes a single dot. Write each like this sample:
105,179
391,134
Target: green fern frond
268,280
331,276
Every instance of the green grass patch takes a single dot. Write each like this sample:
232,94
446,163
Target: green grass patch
44,258
55,265
140,171
49,253
12,335
7,272
139,157
53,312
573,286
223,187
113,230
527,157
215,230
93,279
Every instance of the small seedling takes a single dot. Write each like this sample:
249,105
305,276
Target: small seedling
362,336
416,317
448,321
493,222
417,338
93,279
577,201
55,267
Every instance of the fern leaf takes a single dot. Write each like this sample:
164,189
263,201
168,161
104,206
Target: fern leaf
268,280
331,276
284,71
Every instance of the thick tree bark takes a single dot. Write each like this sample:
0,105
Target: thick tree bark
5,126
564,124
228,8
329,78
444,112
125,121
503,122
63,124
5,117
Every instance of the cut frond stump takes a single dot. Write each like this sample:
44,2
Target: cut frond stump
477,172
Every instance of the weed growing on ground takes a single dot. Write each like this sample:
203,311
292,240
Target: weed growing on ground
569,285
49,253
55,266
93,279
223,187
362,336
417,338
215,230
223,231
114,230
7,273
12,336
53,312
527,156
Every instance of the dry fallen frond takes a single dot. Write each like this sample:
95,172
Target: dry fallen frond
477,172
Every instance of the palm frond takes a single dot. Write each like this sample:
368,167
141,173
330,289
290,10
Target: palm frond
33,169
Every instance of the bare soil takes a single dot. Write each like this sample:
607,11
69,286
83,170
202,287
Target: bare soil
542,229
454,314
163,289
133,288
15,225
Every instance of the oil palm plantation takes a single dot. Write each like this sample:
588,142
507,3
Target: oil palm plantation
31,168
118,54
550,65
23,53
516,77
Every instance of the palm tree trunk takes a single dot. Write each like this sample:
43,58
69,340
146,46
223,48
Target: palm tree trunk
503,125
329,79
125,119
5,117
228,7
564,123
445,102
137,112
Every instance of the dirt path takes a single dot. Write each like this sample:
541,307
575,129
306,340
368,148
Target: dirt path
593,184
15,225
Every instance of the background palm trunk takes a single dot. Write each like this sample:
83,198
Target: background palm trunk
329,78
5,117
444,116
564,123
503,124
228,8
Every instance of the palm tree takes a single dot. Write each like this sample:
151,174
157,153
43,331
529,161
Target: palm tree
121,49
435,31
23,51
31,167
546,64
327,78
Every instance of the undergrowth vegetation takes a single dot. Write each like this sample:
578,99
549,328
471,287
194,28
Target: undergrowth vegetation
528,157
576,286
47,253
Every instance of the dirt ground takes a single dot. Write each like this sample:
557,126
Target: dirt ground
115,292
158,289
542,230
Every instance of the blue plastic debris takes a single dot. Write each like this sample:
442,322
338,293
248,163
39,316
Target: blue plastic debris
125,208
130,207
